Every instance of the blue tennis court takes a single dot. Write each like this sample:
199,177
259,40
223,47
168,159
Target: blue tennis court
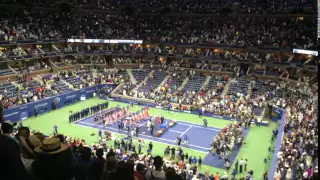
200,137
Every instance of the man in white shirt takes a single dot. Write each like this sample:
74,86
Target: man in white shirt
157,173
241,163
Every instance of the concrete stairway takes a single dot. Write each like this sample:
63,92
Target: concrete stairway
226,88
206,82
184,82
55,48
39,79
12,69
54,67
132,79
19,86
249,91
40,50
145,79
165,79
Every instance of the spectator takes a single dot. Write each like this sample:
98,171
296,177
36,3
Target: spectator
172,175
97,168
29,144
123,171
53,161
140,171
83,163
12,166
157,173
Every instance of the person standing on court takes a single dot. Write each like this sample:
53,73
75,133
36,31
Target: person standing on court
173,150
245,164
199,163
139,148
137,131
205,122
241,163
150,146
119,126
55,130
100,135
200,112
186,140
151,129
236,165
179,140
146,110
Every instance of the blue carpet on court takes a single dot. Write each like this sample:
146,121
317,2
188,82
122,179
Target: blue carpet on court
200,137
213,160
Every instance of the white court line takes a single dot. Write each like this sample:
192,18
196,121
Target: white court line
189,123
186,131
206,128
143,124
193,125
84,123
198,126
175,131
174,142
97,125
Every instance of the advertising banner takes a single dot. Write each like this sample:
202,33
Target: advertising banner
45,105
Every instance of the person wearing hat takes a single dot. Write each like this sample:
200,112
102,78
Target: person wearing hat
53,160
157,173
21,136
10,158
28,145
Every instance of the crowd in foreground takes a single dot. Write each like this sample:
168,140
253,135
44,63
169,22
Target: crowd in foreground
33,156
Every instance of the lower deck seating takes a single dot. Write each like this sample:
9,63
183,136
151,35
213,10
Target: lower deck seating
8,90
194,83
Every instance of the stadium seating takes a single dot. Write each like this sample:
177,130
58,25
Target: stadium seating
122,73
8,90
194,84
213,83
180,6
153,83
75,81
260,88
172,30
6,72
49,93
175,83
140,75
189,34
240,86
60,87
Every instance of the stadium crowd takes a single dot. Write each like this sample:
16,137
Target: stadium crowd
179,6
273,32
28,89
301,164
297,157
25,155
